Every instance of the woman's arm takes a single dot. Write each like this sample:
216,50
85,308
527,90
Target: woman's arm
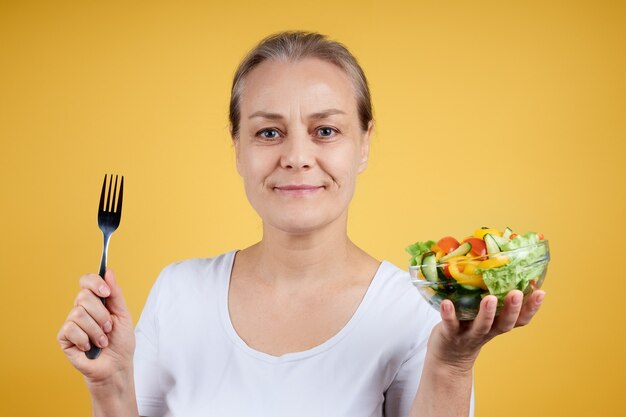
446,383
114,399
109,377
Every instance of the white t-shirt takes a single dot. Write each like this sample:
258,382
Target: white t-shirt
189,361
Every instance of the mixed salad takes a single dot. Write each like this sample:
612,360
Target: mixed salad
488,262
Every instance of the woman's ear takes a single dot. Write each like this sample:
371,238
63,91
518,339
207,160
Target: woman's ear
365,146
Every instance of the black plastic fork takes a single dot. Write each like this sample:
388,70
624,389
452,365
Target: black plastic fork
109,216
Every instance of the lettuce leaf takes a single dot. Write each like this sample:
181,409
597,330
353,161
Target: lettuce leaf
417,251
526,263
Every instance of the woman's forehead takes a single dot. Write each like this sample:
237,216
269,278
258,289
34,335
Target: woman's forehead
309,85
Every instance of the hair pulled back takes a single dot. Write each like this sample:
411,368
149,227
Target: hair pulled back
294,46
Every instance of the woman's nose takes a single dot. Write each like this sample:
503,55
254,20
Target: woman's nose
298,151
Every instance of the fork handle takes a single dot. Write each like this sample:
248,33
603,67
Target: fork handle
94,352
103,264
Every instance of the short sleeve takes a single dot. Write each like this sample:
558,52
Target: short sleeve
401,393
148,387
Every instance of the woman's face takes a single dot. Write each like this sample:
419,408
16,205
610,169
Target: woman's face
300,145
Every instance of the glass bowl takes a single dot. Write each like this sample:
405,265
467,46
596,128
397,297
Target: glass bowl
523,269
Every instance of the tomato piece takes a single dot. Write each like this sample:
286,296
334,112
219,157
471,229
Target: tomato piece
448,244
479,248
512,236
540,236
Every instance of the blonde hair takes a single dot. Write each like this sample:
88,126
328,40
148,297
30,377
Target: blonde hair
295,46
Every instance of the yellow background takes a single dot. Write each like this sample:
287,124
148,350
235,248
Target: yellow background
488,113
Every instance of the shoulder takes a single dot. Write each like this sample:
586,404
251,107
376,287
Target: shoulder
394,287
198,268
397,302
194,276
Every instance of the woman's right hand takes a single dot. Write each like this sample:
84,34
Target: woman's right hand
110,327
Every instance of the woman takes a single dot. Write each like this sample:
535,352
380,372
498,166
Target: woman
303,322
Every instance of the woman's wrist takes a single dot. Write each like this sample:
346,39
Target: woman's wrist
455,367
453,361
445,389
114,396
118,382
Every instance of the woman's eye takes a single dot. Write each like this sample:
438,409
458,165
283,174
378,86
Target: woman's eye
268,134
326,132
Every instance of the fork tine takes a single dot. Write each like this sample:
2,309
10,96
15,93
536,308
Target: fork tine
114,195
101,205
118,210
108,203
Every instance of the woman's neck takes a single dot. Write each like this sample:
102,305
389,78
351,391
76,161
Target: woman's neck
281,258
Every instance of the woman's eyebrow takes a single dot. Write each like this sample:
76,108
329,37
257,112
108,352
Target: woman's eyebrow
317,115
266,115
326,113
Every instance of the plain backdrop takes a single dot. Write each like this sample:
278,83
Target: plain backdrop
488,113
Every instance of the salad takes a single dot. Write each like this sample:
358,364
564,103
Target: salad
488,262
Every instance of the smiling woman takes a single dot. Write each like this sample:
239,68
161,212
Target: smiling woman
303,322
300,137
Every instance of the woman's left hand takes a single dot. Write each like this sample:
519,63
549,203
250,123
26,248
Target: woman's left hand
457,343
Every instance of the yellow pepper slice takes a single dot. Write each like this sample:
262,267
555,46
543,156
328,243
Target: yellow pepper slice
470,267
494,262
458,258
480,233
474,280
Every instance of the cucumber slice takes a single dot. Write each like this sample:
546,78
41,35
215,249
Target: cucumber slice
429,267
500,240
442,275
446,284
492,245
460,251
507,233
470,288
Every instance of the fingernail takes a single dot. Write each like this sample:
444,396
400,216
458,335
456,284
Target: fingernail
516,300
540,298
491,304
103,341
87,347
108,326
104,290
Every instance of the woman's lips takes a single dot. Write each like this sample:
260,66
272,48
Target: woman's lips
296,190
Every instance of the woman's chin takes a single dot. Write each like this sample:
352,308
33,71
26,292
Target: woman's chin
301,224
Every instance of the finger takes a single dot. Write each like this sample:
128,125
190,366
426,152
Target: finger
510,313
95,284
448,317
92,305
115,302
484,320
88,325
71,335
530,308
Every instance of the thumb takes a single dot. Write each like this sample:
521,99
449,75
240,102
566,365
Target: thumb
116,304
